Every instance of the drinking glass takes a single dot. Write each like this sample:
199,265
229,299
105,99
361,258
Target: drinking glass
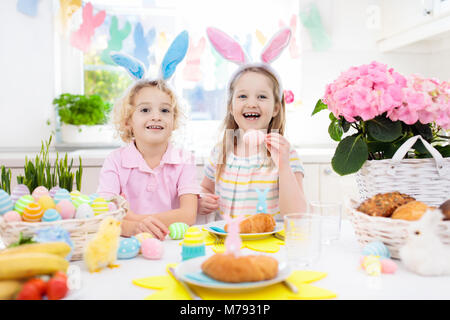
302,239
331,213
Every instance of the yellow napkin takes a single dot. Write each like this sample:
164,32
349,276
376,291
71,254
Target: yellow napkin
169,289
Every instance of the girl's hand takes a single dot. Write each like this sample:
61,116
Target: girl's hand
279,149
154,226
208,203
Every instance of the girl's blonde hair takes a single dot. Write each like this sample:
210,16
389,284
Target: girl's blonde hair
124,107
229,124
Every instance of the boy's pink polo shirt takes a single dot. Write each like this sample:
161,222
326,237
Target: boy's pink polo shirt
148,190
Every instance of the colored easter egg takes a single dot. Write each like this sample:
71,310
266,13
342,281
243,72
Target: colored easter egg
376,248
372,265
253,138
143,235
177,230
46,202
388,266
93,196
32,213
112,206
80,200
152,249
53,190
61,194
128,248
84,211
193,244
39,192
23,202
99,206
12,216
66,209
74,194
6,203
51,215
19,191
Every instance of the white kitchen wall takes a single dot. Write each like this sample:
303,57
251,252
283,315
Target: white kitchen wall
27,64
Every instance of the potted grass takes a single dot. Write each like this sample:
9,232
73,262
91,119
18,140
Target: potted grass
83,119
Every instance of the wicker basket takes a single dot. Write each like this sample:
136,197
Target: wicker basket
392,232
427,180
80,230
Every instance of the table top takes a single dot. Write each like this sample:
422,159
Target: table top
340,260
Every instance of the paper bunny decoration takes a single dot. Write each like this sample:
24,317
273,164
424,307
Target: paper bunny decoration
192,71
294,50
66,10
116,39
261,207
81,39
142,43
231,50
233,241
174,55
28,7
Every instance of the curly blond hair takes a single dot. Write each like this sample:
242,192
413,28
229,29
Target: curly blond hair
124,107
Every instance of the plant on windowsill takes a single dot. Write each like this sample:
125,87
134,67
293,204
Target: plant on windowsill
380,109
83,118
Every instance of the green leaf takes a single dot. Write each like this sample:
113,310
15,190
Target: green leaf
319,107
383,129
444,151
344,124
350,155
335,130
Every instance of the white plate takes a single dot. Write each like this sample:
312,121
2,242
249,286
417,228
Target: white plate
246,236
193,266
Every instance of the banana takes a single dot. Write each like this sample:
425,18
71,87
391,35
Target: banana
61,249
24,265
9,288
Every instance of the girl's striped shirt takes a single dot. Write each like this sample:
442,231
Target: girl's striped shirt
240,179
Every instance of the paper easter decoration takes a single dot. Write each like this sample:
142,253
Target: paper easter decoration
232,50
81,39
174,55
192,71
311,20
261,207
142,43
294,49
28,7
66,9
116,39
233,241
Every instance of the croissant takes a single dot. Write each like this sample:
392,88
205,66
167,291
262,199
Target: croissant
258,223
229,268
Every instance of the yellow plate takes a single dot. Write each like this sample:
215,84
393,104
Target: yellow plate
245,236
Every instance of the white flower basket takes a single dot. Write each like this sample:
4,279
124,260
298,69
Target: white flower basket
80,230
427,180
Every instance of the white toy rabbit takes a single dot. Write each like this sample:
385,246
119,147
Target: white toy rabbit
423,252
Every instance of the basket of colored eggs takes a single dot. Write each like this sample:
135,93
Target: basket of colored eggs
79,214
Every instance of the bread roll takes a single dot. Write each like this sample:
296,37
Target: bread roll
445,208
258,223
384,204
413,210
229,268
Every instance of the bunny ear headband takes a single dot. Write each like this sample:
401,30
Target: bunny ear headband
231,50
174,55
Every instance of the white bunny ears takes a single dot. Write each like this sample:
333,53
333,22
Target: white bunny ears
231,50
174,55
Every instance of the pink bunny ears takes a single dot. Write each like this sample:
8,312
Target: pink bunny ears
231,50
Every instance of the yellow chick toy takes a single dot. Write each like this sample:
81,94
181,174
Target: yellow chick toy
101,251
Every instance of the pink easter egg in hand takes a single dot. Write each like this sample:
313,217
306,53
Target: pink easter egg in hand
39,192
253,138
12,216
388,266
152,249
112,206
66,209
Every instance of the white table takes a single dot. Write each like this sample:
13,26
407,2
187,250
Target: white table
340,261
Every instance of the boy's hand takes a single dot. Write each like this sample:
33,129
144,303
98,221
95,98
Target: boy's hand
154,226
279,149
207,203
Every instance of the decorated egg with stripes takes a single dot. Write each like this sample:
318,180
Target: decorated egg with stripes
19,191
61,194
177,230
39,192
53,190
32,213
93,196
23,202
99,206
6,203
12,216
46,202
80,200
51,215
74,194
376,248
128,248
84,211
